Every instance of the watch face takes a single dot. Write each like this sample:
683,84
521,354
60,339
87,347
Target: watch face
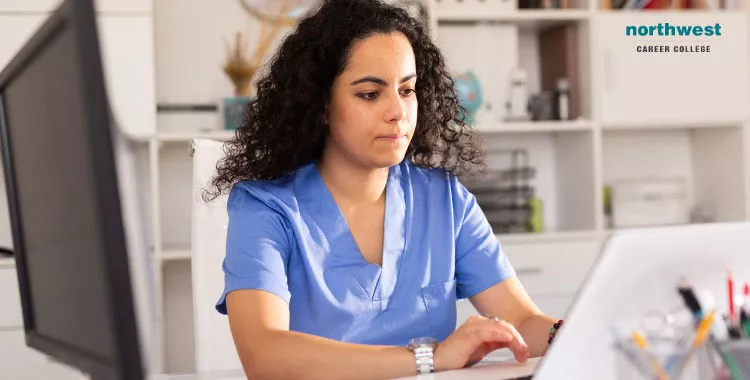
426,341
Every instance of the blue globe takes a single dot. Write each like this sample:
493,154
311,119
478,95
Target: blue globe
469,94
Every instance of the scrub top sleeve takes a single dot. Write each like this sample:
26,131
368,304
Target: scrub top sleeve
480,260
257,248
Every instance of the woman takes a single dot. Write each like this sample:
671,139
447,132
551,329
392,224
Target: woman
350,238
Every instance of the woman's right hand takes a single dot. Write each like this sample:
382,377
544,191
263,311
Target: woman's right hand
476,338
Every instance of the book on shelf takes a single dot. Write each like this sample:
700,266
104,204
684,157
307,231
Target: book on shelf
559,59
544,4
675,5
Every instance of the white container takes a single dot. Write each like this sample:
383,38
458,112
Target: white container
650,202
518,97
563,99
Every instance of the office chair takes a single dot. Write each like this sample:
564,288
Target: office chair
214,347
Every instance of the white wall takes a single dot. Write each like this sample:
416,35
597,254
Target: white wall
190,48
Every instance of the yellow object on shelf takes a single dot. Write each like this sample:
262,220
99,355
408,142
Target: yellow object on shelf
536,220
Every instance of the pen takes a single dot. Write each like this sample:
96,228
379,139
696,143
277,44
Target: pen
730,293
733,323
699,338
719,329
744,315
690,300
702,332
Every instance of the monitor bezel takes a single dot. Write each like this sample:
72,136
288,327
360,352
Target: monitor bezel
79,17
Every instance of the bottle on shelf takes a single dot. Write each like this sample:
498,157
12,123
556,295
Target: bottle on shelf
518,106
562,99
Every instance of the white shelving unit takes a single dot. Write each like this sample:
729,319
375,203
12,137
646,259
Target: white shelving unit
534,127
522,18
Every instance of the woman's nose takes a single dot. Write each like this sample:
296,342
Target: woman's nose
396,109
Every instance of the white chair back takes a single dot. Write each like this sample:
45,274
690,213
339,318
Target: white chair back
214,347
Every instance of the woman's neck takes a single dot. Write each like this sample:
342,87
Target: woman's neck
357,185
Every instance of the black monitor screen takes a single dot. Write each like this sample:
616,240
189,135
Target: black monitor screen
54,182
63,199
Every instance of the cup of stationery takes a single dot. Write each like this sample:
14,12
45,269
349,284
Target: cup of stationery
665,348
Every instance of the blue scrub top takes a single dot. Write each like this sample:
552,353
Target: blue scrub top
290,238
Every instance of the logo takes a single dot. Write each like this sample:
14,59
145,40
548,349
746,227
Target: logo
668,29
695,37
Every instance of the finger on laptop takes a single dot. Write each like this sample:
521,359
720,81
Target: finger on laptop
516,344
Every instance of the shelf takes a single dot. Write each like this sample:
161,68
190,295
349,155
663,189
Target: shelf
7,262
188,136
672,12
140,137
714,186
535,126
563,177
523,18
176,255
611,231
219,135
655,125
551,16
546,237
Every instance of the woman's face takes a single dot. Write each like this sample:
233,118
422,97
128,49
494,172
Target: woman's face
372,112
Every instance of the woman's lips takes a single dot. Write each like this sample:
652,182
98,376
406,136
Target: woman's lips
392,137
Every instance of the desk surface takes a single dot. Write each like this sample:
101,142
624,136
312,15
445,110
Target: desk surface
501,370
488,370
215,375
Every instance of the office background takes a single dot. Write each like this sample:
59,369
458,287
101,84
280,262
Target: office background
646,139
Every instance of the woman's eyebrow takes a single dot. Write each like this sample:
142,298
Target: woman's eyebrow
379,81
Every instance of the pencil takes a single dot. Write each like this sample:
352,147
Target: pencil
640,341
702,332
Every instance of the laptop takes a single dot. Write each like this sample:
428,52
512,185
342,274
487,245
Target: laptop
637,272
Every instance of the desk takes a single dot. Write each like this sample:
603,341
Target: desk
214,375
486,370
489,370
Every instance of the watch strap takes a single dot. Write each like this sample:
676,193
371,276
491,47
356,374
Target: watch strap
424,359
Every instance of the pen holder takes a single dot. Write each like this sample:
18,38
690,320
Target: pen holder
735,355
665,362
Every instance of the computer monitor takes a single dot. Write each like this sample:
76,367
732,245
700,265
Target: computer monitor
63,197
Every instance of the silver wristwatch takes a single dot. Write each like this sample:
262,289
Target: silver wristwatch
423,349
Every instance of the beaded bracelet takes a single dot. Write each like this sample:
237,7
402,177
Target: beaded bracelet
553,331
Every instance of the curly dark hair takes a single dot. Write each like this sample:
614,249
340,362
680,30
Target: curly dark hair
284,125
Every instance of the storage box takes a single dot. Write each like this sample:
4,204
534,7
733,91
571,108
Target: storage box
650,202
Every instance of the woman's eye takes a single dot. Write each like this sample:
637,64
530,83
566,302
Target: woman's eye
368,95
408,92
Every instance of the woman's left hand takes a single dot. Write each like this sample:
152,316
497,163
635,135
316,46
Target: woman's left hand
476,338
487,347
